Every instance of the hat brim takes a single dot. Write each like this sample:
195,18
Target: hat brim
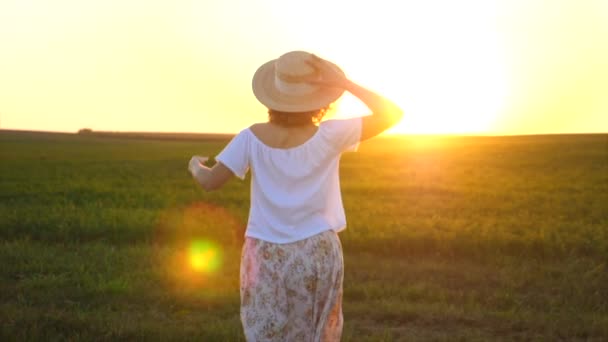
266,92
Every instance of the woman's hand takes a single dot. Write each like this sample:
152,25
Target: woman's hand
196,162
330,75
209,178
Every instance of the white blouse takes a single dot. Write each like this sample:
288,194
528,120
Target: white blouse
295,192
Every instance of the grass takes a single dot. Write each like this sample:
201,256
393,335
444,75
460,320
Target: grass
449,238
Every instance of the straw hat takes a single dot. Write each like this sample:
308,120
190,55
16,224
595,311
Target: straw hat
282,84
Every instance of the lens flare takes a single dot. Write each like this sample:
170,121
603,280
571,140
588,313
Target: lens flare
205,256
196,246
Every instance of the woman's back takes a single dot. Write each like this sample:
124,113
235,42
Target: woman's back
283,137
295,188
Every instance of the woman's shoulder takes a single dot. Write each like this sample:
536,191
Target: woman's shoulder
259,131
342,134
341,122
262,132
340,125
257,127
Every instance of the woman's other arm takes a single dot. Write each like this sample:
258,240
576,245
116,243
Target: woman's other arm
209,178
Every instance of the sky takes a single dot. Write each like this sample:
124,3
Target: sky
461,67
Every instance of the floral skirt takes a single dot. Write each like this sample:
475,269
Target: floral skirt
293,291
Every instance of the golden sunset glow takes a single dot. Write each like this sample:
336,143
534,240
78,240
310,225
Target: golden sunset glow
472,66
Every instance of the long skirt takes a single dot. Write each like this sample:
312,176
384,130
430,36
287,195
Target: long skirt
293,291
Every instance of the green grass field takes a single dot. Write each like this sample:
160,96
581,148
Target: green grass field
449,239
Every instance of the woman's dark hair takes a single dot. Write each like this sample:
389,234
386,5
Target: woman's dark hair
296,118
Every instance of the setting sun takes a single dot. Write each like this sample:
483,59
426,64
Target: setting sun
448,70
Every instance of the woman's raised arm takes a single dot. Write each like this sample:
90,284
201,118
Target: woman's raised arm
385,113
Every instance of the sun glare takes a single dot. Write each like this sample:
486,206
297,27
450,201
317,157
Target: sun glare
468,66
204,256
447,69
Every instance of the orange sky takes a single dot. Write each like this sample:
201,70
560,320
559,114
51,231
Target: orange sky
472,66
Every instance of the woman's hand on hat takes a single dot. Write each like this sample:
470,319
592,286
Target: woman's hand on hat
329,75
196,162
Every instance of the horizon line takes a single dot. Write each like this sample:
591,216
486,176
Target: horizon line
386,134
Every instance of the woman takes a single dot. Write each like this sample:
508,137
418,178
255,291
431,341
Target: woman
292,266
